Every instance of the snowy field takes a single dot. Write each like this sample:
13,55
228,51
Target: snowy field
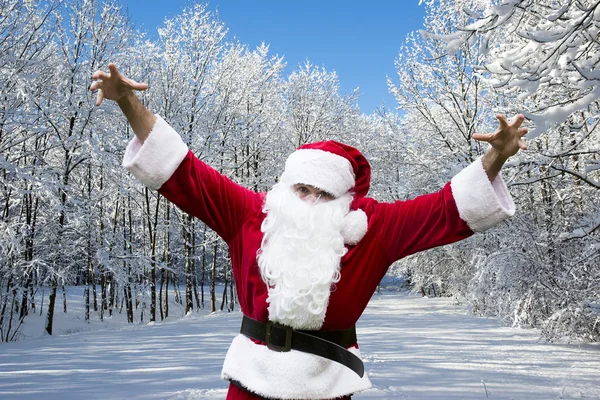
413,347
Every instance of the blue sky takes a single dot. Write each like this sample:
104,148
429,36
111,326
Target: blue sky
357,39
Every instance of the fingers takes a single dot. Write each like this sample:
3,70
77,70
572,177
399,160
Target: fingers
101,75
518,120
113,69
139,86
483,137
522,144
99,97
95,85
523,132
136,85
503,121
113,84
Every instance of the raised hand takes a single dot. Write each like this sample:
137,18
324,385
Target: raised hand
113,85
116,86
508,138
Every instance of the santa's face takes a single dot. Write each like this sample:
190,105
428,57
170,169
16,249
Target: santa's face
300,254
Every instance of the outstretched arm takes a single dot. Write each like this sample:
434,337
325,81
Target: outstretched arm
161,160
116,86
505,142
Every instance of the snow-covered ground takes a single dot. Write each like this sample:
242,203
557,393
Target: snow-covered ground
413,347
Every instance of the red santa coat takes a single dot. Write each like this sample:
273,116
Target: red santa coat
395,230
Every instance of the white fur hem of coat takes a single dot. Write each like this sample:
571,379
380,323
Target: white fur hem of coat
156,160
289,375
481,204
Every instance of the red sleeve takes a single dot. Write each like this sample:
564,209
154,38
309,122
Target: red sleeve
201,191
425,222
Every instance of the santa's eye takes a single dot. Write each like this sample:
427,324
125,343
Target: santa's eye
303,189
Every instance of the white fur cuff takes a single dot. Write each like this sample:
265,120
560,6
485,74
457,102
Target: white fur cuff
481,204
156,160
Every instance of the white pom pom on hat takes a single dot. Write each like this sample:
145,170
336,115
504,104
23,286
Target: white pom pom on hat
337,169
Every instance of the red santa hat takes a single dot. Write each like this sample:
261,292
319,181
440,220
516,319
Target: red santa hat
337,169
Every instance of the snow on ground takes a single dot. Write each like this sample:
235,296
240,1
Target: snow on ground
413,347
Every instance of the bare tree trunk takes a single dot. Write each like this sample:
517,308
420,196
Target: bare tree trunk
203,275
224,299
167,274
88,271
32,295
24,305
64,293
189,304
232,293
102,292
160,294
127,250
51,301
13,309
128,302
86,287
111,293
4,304
164,281
94,291
153,292
213,305
61,225
176,291
42,301
576,167
31,217
194,268
106,278
196,295
153,244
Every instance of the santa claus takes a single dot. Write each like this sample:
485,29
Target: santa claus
308,255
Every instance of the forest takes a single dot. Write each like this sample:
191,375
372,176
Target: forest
70,215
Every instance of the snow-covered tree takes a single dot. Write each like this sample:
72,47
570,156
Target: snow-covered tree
316,107
536,58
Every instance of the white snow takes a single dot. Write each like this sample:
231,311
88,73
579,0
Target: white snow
413,347
558,114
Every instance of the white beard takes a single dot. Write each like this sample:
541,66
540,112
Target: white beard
300,254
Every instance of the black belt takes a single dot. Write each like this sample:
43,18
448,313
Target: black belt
328,344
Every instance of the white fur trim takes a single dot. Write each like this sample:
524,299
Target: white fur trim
322,169
289,375
481,204
156,160
355,227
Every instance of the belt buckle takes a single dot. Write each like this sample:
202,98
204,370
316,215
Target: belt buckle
288,337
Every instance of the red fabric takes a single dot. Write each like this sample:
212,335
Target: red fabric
236,393
395,230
